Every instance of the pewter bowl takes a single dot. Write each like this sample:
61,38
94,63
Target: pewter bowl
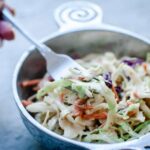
77,37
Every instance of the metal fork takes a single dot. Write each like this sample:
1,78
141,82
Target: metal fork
58,65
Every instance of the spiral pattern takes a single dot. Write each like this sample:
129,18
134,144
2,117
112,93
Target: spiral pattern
82,14
73,13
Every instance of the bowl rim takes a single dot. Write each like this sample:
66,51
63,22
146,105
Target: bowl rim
103,27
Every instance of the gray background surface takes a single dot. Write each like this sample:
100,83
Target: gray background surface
37,17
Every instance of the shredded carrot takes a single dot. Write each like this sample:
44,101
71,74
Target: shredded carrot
132,113
62,96
145,67
83,107
81,78
115,92
136,95
86,107
80,107
77,113
29,83
80,102
25,103
102,115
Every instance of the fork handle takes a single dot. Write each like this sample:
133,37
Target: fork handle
43,49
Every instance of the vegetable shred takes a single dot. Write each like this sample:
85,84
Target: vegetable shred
110,104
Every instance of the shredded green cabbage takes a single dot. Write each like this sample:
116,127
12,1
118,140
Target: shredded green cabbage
111,104
51,86
142,126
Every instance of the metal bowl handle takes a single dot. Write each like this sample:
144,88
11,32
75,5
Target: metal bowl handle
78,14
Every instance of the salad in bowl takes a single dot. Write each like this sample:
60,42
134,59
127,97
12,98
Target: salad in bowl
109,105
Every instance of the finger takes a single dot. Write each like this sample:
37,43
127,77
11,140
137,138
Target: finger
12,11
1,5
6,31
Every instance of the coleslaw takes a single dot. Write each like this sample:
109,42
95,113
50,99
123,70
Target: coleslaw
111,104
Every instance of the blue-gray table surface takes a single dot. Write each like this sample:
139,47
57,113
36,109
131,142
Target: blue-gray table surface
37,17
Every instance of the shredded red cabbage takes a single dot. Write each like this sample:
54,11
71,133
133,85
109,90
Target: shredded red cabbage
133,62
118,89
108,81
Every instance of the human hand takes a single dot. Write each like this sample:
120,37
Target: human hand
6,32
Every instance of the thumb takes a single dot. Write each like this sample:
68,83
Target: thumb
6,31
